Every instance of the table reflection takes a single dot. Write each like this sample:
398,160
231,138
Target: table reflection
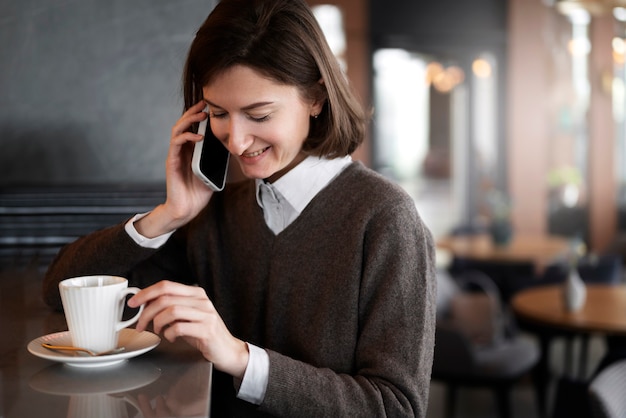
96,393
131,389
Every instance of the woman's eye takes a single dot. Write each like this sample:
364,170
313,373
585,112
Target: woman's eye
217,115
259,118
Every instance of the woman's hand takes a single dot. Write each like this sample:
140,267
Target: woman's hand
186,194
178,310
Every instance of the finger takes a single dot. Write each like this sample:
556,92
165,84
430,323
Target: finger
200,332
185,137
163,288
193,115
155,307
150,312
184,124
201,311
144,406
197,107
168,313
162,408
168,309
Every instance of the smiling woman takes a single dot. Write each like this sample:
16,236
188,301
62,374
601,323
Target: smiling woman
288,280
262,123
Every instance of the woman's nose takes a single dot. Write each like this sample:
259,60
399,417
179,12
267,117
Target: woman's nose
238,139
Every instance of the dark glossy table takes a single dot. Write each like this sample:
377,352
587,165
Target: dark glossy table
172,380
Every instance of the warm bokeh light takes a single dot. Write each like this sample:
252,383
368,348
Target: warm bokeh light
579,47
619,49
457,74
444,79
481,68
433,69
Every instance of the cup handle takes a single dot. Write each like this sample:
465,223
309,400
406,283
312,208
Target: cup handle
124,324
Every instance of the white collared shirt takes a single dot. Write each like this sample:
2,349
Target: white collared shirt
282,202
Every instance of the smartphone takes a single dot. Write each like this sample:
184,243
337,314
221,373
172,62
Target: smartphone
210,158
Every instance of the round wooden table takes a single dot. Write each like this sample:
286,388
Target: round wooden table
604,311
540,250
542,311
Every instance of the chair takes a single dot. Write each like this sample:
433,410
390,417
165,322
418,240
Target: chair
503,273
593,268
602,268
474,347
606,392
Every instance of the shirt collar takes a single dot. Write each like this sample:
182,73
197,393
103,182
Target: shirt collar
303,182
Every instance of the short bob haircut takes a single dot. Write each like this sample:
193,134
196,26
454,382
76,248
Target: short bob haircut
281,40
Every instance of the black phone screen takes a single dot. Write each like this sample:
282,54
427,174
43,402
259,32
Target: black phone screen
210,158
214,160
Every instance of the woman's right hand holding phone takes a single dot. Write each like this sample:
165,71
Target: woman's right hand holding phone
186,194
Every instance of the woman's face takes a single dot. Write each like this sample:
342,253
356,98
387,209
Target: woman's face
262,123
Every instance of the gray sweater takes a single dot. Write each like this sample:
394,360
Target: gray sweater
343,299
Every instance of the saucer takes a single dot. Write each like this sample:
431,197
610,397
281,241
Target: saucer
135,344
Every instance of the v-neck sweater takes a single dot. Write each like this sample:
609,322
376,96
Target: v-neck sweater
342,300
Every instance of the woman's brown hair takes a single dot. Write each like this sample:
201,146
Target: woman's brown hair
282,40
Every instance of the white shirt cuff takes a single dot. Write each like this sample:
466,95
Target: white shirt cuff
153,243
254,383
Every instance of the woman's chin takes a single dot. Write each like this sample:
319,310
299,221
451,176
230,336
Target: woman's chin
255,172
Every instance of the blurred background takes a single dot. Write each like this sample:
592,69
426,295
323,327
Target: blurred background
519,98
482,110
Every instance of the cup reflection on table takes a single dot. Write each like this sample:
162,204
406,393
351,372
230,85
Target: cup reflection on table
133,389
100,405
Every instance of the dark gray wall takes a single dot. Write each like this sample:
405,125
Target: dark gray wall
455,27
89,89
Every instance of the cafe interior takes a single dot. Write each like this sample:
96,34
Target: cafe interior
505,120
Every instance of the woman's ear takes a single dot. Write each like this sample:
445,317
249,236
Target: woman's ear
320,97
316,108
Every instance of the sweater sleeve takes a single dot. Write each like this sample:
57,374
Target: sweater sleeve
394,351
111,251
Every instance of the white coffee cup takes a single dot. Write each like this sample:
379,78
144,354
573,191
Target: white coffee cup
93,308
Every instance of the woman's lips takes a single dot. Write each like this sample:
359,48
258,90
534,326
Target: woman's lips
255,153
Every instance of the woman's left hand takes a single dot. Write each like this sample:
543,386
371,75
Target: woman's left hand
178,310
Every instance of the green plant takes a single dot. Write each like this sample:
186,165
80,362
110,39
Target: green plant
499,205
564,175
